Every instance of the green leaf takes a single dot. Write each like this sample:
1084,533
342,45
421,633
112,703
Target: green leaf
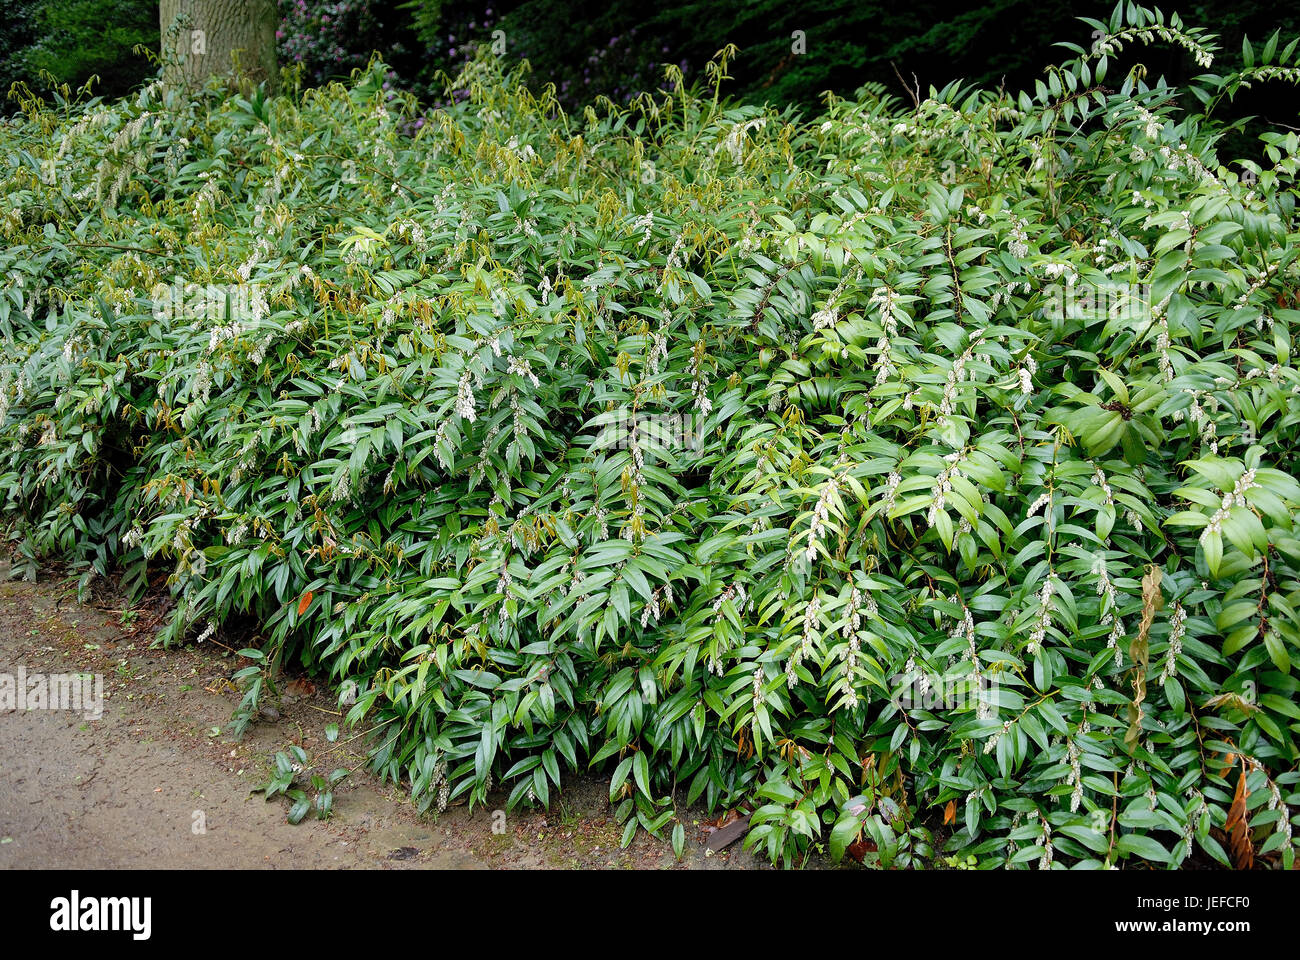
844,832
1142,846
299,810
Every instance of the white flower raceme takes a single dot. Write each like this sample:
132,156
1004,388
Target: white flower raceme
700,380
957,374
733,142
1018,245
1284,814
343,491
809,636
852,614
991,743
810,624
465,398
1152,126
736,594
1236,498
1074,778
829,314
852,645
942,486
602,529
821,514
658,352
674,261
660,598
1026,374
850,694
1045,861
1177,629
645,224
965,628
1046,605
1109,606
201,385
523,368
886,299
891,491
1099,480
1061,268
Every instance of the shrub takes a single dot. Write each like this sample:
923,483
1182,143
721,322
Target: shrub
921,475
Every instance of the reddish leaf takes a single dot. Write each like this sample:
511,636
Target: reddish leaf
304,603
859,849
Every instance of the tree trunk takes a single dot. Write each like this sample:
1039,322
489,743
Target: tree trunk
202,38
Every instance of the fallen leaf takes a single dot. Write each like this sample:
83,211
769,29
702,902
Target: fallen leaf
950,812
725,836
299,687
304,603
859,849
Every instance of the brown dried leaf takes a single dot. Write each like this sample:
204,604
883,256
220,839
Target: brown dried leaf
300,687
1233,700
1237,828
1139,652
859,849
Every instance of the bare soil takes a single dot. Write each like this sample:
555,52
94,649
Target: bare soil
158,782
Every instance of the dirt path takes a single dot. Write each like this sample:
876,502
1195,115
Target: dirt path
158,782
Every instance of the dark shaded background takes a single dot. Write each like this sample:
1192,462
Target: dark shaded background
591,47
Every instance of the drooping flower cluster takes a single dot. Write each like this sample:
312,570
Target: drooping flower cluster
1235,498
1046,606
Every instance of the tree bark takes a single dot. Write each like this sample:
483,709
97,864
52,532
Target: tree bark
203,38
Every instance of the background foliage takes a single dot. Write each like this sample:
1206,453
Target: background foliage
359,384
617,48
73,40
